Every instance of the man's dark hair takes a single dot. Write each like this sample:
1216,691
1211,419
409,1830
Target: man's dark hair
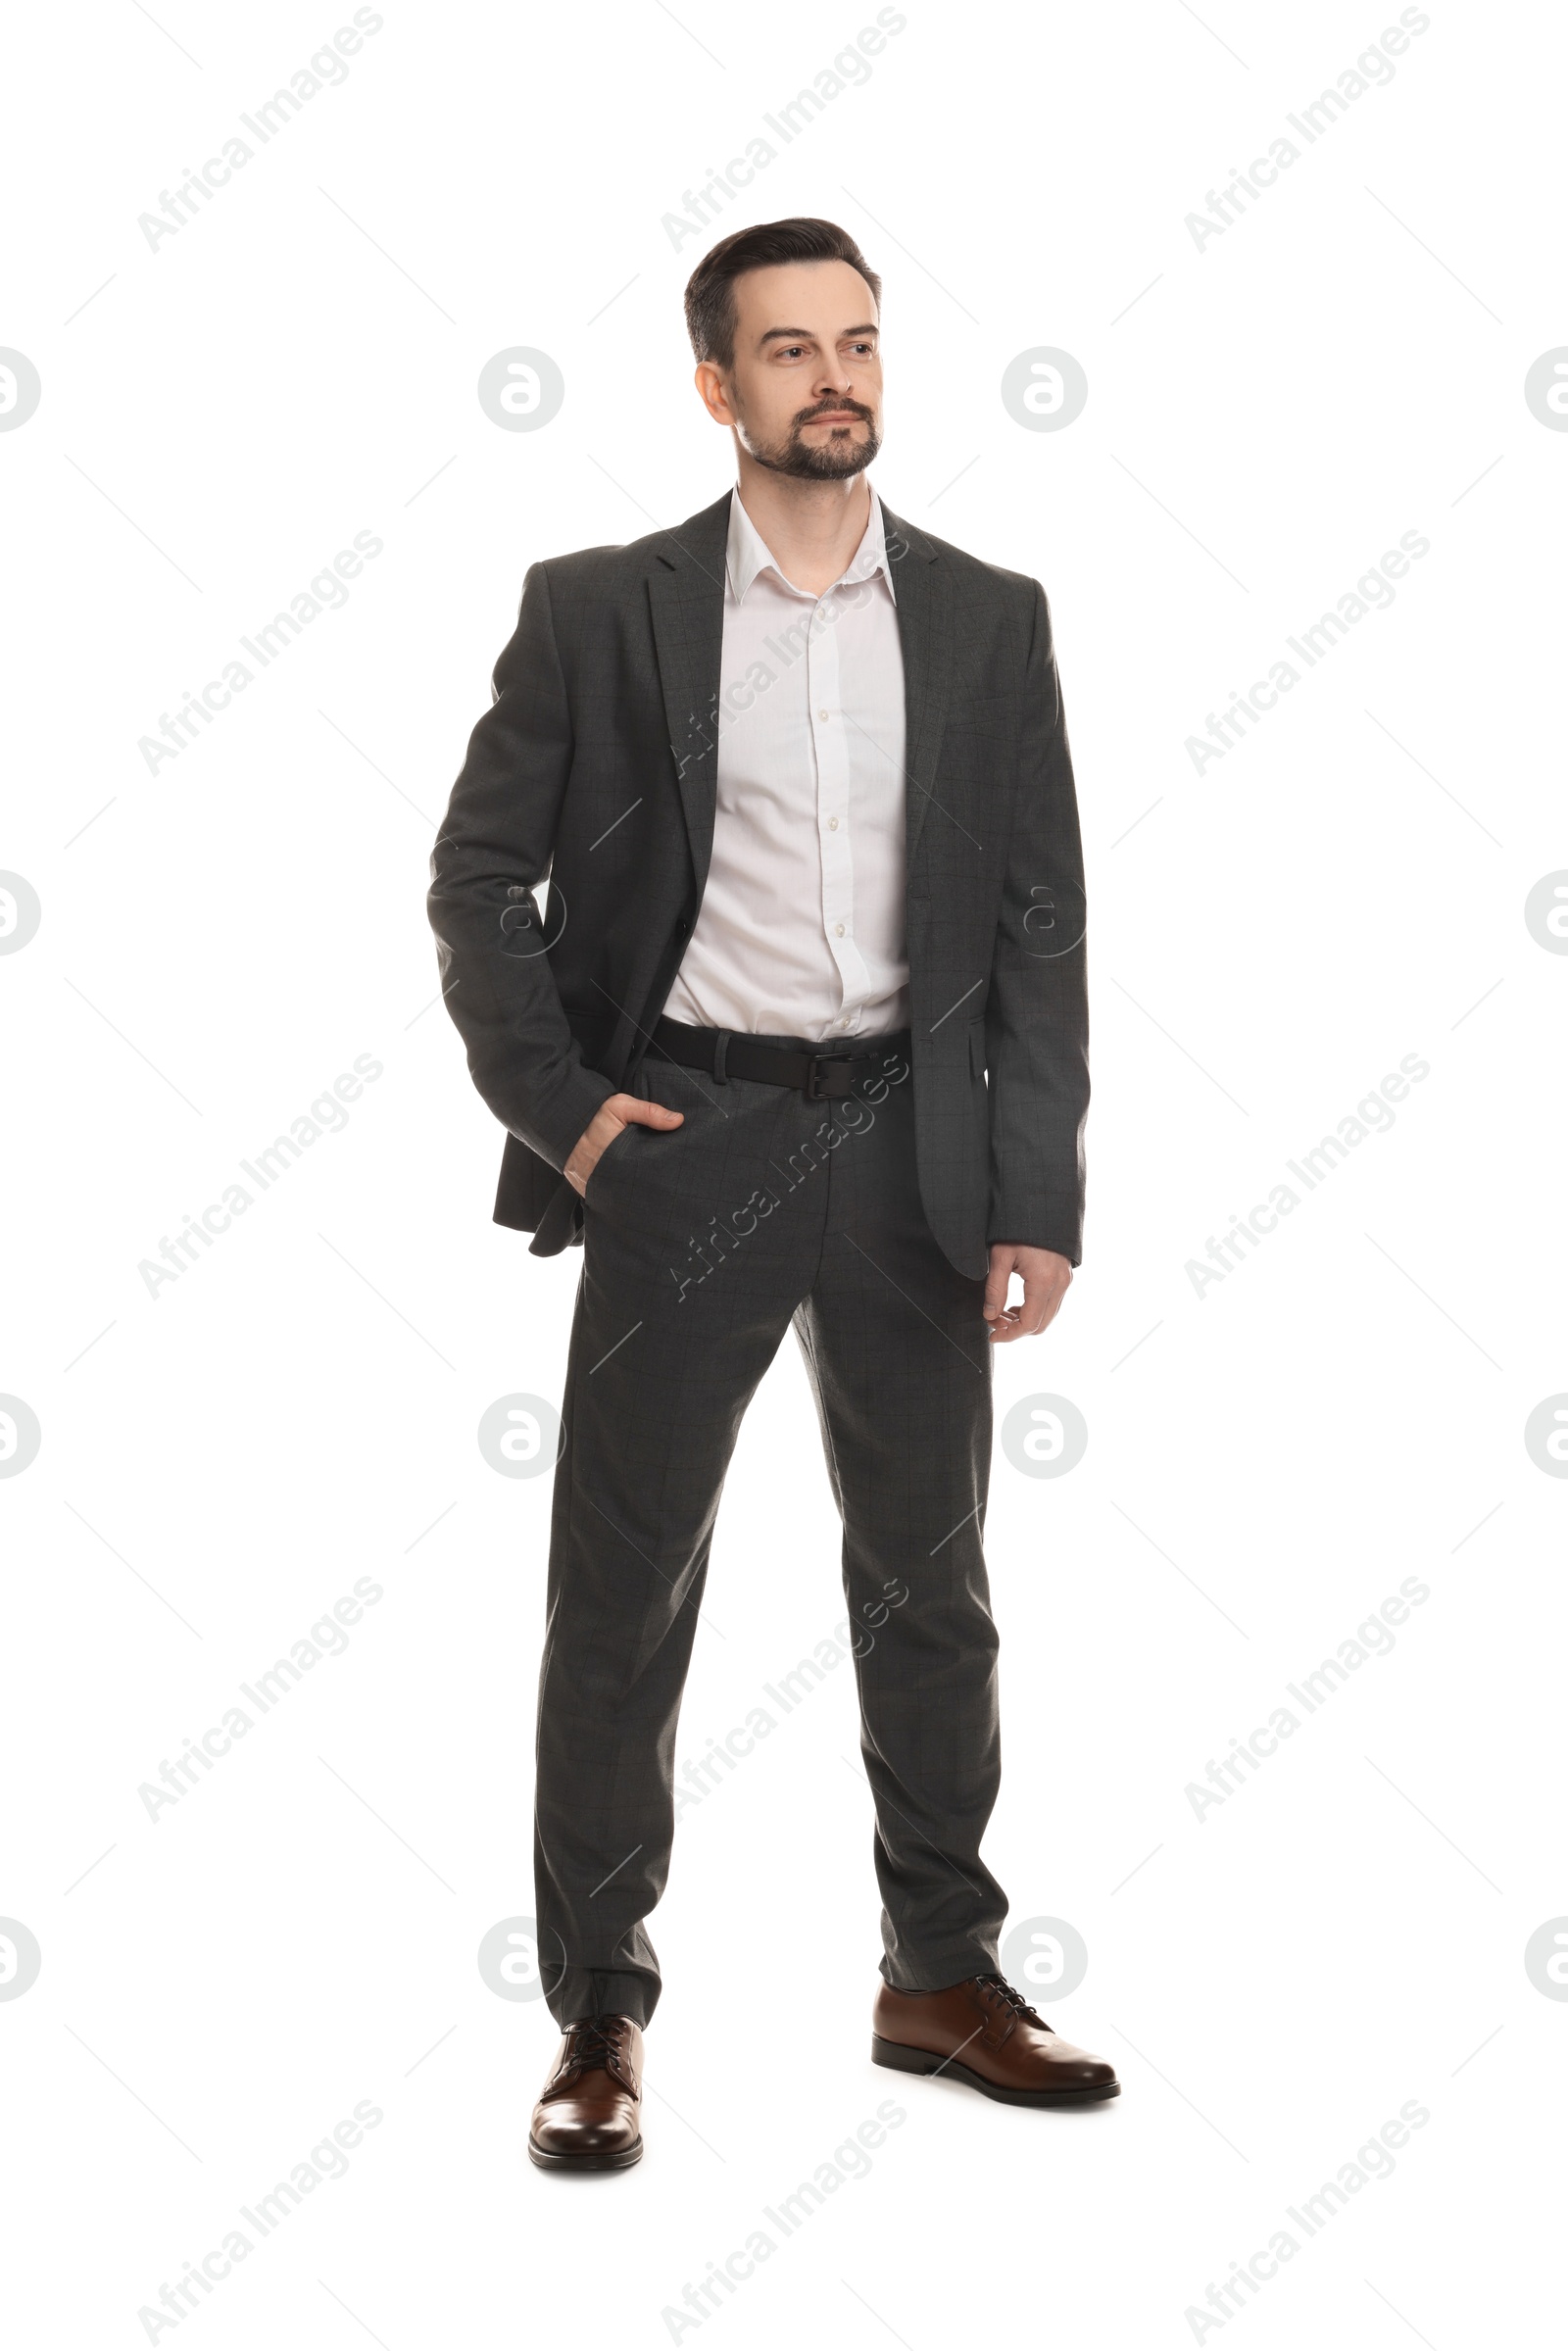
711,289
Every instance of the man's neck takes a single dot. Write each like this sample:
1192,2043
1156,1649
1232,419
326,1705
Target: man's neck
811,528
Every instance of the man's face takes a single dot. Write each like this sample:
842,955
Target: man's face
805,392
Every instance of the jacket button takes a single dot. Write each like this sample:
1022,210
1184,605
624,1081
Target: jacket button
682,927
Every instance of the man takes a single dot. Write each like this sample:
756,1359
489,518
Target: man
802,1039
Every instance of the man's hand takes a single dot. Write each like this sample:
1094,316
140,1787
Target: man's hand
612,1118
1045,1277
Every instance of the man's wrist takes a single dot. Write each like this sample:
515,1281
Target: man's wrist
1056,1247
572,1111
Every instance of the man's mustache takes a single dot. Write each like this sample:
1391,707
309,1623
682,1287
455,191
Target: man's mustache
834,407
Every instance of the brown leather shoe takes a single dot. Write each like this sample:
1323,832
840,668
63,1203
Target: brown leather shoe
986,2035
586,2118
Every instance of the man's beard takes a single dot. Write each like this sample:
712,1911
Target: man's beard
836,460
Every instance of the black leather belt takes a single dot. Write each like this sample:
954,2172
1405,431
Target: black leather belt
822,1072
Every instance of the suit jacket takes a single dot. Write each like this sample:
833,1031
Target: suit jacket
595,767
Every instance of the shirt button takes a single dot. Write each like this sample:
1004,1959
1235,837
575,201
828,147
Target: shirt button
838,930
832,824
822,713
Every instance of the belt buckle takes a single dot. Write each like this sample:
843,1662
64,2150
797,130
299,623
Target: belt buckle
814,1091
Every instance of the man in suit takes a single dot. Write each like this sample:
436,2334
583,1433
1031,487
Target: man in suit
800,1039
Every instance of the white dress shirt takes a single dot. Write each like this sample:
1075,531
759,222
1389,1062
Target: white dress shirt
801,931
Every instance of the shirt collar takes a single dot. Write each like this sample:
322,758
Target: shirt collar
747,552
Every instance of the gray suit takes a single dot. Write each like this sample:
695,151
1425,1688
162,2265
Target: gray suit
863,1222
605,701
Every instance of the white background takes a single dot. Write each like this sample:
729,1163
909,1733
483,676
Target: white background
220,1462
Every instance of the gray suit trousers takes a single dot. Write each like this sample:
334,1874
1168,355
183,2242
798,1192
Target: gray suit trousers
701,1245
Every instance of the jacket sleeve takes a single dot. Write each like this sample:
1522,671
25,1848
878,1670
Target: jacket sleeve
1037,1014
491,854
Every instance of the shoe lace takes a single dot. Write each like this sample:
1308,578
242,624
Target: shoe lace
593,2041
998,1988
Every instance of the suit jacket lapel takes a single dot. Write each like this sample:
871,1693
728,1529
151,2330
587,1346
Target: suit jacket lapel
686,595
922,592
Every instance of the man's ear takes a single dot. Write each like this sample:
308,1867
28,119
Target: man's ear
714,393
